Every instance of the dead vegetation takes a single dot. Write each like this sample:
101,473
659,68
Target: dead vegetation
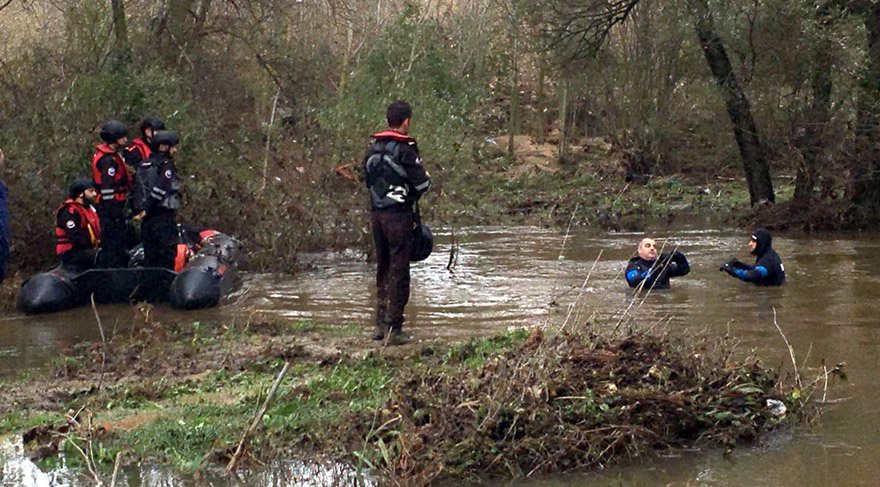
509,406
570,402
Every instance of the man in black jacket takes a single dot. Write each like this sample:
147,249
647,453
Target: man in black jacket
768,269
652,271
396,180
113,182
159,207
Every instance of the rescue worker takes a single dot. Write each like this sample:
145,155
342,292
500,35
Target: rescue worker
4,224
113,182
159,208
768,269
655,272
140,148
77,227
396,180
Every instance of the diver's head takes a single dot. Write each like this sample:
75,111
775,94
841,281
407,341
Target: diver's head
760,241
648,249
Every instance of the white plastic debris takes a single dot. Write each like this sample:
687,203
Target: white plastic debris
776,407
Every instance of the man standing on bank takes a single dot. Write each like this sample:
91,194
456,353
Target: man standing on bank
396,180
654,272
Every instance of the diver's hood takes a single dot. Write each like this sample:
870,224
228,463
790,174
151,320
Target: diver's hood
763,239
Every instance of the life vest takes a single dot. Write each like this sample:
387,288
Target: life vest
387,180
142,147
184,254
122,180
87,217
206,234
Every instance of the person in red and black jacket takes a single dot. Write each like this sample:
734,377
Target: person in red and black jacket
141,147
113,181
77,227
396,180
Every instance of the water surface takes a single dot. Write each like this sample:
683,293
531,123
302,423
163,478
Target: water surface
510,277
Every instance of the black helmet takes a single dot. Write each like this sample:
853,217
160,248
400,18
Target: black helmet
151,123
78,187
165,137
112,131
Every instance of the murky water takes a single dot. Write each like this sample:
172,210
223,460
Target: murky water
507,277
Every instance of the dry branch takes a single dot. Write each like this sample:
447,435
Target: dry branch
247,433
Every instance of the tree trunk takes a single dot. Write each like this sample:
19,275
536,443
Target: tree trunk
812,143
160,21
563,122
541,118
121,49
866,186
752,152
346,59
514,81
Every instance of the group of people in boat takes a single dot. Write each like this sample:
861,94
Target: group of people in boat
136,181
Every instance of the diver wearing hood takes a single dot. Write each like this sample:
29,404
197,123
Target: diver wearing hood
768,269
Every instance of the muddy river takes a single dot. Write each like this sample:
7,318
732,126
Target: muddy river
510,277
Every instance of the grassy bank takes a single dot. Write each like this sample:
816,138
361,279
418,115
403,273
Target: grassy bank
517,404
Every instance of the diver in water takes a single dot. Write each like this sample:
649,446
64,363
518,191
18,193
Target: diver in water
655,271
768,269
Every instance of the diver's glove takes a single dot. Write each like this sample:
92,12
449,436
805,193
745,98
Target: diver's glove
728,267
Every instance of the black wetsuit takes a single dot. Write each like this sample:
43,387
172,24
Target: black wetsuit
656,273
768,269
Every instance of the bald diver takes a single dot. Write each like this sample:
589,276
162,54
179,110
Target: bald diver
655,271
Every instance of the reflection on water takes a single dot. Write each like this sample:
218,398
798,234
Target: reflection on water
17,470
506,277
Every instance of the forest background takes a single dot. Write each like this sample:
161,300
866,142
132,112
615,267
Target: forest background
598,112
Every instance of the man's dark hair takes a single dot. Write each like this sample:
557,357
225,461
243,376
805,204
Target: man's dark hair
398,111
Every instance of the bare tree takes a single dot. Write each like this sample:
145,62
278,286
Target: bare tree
753,154
121,47
588,24
866,186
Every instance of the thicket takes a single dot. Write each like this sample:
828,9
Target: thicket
271,96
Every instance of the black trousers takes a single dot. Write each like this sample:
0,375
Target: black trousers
392,235
159,234
113,251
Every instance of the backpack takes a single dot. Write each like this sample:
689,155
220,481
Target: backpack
146,176
388,182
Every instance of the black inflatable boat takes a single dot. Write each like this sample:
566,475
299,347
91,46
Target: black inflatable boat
208,276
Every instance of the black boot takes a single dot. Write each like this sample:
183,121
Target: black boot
380,331
396,336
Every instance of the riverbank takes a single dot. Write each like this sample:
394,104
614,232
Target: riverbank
521,403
